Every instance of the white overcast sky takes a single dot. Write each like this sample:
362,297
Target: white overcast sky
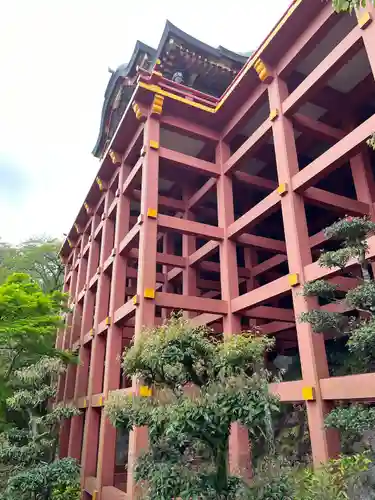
54,58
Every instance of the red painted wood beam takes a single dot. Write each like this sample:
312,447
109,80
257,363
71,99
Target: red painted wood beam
288,392
130,239
255,180
163,201
260,242
162,258
124,311
260,211
268,264
276,327
352,387
202,192
344,51
271,290
334,157
317,129
205,319
307,41
204,252
214,267
189,303
134,145
133,177
274,313
335,202
189,227
250,146
188,128
242,113
194,164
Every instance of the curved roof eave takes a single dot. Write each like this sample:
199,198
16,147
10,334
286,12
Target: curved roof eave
121,72
171,30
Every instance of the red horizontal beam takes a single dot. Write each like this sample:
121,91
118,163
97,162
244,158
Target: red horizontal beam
308,40
133,177
163,258
188,128
203,252
129,239
261,242
316,128
260,211
268,264
323,72
163,201
200,166
199,196
287,391
271,290
205,319
255,180
124,311
352,387
250,145
334,157
276,327
242,113
190,227
190,303
274,313
335,202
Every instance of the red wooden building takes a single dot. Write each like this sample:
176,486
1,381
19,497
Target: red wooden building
217,175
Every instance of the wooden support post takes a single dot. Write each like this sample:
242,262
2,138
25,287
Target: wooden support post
146,282
112,365
95,385
324,443
189,274
239,446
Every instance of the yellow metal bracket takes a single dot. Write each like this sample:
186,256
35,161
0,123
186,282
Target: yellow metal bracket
115,157
149,293
273,114
308,393
135,300
154,145
108,321
282,189
157,105
263,72
152,213
365,20
293,279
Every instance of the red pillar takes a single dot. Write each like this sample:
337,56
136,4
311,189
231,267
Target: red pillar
239,446
325,444
189,274
107,436
93,415
146,280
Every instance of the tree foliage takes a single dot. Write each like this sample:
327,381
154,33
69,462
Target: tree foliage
349,5
359,326
37,257
29,319
199,388
30,452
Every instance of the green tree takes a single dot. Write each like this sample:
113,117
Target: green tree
358,324
199,388
29,319
31,452
349,5
37,257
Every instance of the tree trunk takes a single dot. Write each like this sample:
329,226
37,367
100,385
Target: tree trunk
221,462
